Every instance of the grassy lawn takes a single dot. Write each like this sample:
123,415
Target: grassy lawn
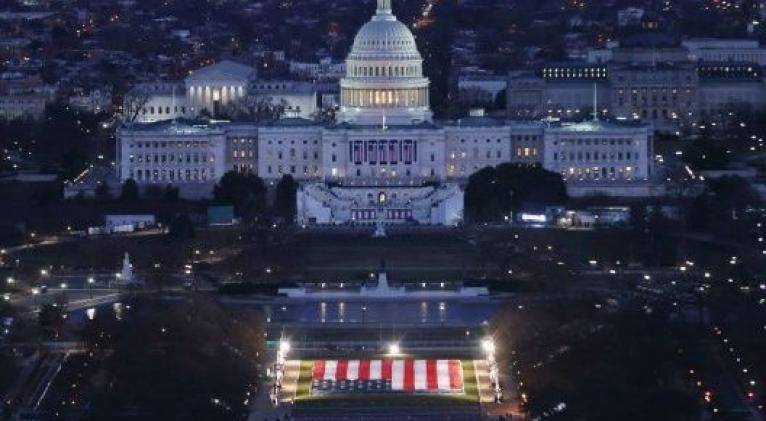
669,147
106,253
304,399
606,246
470,386
424,256
304,381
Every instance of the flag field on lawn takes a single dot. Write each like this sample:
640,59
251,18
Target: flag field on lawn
387,375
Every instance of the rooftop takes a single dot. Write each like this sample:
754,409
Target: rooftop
178,126
598,125
650,40
225,69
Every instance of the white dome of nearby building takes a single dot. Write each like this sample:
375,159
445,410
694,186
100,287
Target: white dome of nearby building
384,81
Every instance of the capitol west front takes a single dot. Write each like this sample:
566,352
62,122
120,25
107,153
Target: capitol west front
383,160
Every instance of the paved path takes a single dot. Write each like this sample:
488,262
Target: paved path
482,382
290,382
262,409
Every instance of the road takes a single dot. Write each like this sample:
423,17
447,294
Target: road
50,240
39,371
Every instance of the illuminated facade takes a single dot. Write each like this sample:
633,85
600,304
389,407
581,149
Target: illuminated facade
217,85
384,81
649,77
384,160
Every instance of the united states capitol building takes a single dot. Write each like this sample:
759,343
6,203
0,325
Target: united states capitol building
383,159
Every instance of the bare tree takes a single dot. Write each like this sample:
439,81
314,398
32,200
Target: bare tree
134,102
254,108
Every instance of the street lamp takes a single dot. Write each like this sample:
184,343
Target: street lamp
393,348
284,346
91,281
488,345
35,293
279,369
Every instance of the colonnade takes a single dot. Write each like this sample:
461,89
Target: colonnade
385,98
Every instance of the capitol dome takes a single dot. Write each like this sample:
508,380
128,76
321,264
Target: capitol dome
384,35
384,80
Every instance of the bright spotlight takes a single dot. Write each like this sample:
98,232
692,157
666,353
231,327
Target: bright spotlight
488,345
393,348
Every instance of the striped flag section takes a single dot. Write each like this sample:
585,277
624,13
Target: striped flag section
403,374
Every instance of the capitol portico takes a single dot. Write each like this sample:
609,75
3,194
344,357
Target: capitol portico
384,159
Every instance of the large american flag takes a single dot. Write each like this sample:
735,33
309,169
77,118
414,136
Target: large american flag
398,375
358,152
409,152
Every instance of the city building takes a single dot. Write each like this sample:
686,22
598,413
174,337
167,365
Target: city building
225,88
649,76
92,101
324,69
726,50
150,102
217,85
299,99
23,96
630,16
480,90
23,105
384,159
587,153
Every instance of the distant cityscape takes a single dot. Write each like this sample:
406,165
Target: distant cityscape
382,209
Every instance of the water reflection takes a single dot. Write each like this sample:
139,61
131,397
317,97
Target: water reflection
118,310
323,312
421,312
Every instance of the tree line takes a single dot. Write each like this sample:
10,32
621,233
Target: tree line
493,193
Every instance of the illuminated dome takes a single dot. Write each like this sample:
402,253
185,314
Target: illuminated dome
384,75
384,35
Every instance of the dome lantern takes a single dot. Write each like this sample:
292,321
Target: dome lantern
384,7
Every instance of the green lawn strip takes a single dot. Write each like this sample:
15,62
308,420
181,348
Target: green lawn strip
330,257
470,385
304,381
383,400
